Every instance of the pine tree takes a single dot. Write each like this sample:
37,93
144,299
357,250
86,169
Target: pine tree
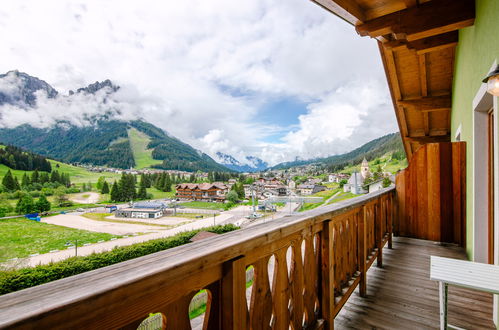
42,178
168,184
142,194
127,187
35,177
17,185
115,195
161,181
42,204
55,177
25,204
100,183
105,188
8,182
240,190
25,181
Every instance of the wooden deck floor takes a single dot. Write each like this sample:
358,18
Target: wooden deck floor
402,296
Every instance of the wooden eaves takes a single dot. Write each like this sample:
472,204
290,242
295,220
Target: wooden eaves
417,41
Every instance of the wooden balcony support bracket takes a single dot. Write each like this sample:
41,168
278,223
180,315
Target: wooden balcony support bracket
429,19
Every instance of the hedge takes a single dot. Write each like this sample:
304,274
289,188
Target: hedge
18,279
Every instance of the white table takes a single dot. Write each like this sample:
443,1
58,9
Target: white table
466,274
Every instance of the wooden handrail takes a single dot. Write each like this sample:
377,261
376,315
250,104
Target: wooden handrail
319,258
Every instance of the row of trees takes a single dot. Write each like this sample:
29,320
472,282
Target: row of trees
224,176
124,190
36,181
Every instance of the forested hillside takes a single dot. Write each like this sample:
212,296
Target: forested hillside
19,159
373,149
102,141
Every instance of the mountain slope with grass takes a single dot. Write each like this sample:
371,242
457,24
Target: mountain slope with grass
101,141
391,143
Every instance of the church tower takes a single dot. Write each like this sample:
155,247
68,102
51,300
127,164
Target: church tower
364,169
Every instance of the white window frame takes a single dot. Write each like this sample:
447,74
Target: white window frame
482,103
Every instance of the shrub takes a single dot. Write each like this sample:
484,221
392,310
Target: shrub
34,193
18,279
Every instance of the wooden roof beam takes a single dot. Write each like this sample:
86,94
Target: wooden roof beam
435,43
429,19
426,104
347,10
429,139
427,45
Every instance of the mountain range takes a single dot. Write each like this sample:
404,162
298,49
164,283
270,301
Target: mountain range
372,149
106,142
251,164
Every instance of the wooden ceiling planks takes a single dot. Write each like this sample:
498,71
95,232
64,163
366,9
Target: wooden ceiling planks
417,40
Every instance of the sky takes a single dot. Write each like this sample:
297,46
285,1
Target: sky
275,79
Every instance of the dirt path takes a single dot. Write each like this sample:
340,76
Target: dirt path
85,198
79,222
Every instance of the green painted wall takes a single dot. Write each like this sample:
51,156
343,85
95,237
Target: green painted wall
477,49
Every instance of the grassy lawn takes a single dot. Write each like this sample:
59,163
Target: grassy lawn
326,194
204,205
343,196
308,206
391,165
142,155
158,194
22,237
102,217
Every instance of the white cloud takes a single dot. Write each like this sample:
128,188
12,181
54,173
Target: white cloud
171,59
348,117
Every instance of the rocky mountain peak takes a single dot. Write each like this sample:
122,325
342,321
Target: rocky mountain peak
19,88
93,88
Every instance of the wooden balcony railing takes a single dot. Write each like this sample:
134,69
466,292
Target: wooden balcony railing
318,259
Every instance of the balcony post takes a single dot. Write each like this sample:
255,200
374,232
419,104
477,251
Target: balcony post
379,216
362,251
390,214
327,270
234,310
